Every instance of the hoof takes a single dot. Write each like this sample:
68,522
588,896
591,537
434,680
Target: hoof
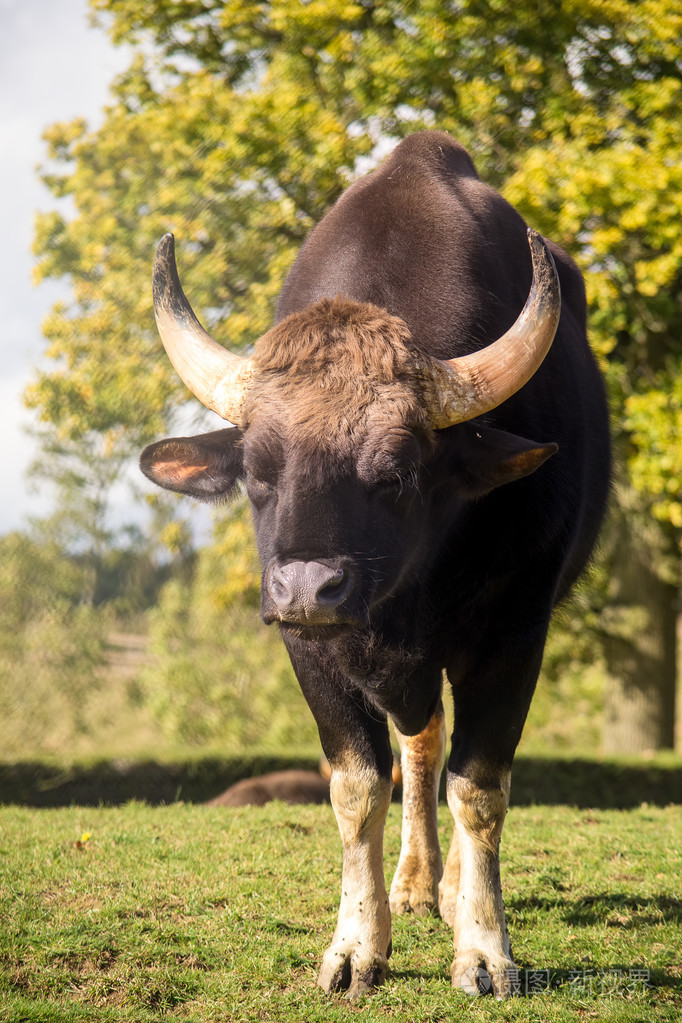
351,971
413,902
477,974
414,891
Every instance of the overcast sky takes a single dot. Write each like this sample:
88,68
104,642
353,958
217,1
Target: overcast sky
53,67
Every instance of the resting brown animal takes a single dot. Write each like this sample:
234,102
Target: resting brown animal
293,787
289,786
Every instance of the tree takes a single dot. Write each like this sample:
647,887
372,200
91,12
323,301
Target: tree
83,474
615,185
238,123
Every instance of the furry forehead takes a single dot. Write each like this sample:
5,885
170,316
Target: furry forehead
335,365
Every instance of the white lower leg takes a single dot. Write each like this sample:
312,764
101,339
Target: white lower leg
358,955
482,951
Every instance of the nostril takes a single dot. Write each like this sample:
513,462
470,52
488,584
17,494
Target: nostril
280,588
334,590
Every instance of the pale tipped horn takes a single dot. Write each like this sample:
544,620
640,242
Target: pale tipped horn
216,376
472,385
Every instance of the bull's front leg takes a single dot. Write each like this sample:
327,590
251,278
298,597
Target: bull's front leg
415,884
490,711
355,740
357,958
471,892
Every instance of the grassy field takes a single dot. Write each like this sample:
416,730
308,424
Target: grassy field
190,913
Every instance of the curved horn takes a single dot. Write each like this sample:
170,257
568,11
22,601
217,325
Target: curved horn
217,377
472,385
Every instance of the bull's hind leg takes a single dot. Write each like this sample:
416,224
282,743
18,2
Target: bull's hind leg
415,884
449,883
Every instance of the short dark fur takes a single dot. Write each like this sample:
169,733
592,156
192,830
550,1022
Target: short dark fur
456,543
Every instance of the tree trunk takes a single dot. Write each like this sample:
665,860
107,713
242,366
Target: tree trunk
640,645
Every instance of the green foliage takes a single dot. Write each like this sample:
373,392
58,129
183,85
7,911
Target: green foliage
51,645
654,422
237,125
219,675
67,663
609,189
83,472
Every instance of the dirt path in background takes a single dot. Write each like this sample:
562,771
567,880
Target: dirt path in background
128,652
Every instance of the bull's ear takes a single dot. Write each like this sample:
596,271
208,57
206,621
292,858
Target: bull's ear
485,458
207,467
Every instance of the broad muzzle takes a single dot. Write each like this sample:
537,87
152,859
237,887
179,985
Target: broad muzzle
310,593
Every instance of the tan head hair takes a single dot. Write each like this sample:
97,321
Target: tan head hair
328,368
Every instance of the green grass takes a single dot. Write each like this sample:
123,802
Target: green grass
190,913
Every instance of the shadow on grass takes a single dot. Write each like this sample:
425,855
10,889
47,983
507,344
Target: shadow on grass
617,980
548,781
624,911
599,784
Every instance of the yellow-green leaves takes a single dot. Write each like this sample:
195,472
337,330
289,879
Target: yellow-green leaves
654,421
238,123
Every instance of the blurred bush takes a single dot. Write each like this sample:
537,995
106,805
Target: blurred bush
219,675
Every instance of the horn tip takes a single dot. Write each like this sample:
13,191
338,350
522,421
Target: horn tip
535,240
165,283
540,253
166,245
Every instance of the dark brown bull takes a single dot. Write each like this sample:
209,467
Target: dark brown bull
427,465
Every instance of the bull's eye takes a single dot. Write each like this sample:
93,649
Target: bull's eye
398,485
259,491
390,464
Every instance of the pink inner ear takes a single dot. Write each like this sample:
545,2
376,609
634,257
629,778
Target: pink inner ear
178,471
526,462
521,464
